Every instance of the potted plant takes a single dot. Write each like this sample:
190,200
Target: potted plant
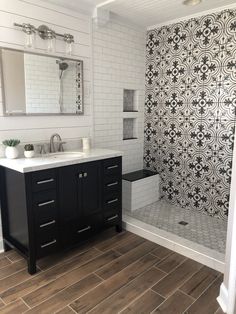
29,150
11,150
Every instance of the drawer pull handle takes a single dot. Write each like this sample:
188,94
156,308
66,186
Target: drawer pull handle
112,201
113,183
113,217
112,167
85,229
48,224
46,203
45,181
48,244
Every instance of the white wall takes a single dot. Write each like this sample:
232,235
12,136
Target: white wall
227,297
35,129
119,63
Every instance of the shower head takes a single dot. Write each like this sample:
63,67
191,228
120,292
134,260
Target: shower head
63,66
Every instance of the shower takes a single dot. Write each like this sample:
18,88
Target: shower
63,66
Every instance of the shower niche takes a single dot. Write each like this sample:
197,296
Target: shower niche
130,100
129,129
42,84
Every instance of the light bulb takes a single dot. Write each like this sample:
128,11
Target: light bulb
51,44
29,40
29,31
68,48
69,40
50,35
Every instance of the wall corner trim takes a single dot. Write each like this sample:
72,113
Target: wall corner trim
223,298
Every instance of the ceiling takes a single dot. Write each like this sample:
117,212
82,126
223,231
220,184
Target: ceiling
145,12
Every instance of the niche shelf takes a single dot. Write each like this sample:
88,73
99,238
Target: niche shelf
129,129
130,100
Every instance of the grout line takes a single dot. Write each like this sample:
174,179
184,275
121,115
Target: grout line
3,301
128,264
121,241
72,283
140,296
38,274
13,274
173,269
53,280
8,260
202,293
165,299
206,287
72,308
94,273
186,294
52,296
127,284
24,302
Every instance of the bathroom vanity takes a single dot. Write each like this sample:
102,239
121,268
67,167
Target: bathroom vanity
52,203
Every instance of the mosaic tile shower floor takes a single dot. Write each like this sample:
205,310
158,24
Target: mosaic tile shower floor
202,229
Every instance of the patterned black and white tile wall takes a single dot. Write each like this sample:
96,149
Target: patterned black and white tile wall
190,110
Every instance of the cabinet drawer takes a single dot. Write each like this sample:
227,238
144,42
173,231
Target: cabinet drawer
49,246
112,166
112,202
44,180
47,231
112,217
45,206
81,230
112,184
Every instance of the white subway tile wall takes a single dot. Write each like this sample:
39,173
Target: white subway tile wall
42,84
42,81
140,193
119,53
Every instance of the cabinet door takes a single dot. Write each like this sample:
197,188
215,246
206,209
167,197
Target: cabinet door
69,192
91,188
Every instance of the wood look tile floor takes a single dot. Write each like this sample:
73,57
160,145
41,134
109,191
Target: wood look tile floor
112,273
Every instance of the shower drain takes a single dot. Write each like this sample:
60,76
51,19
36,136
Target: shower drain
183,223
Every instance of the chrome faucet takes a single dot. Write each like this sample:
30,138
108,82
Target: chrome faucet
59,146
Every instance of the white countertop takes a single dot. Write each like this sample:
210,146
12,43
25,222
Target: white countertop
53,161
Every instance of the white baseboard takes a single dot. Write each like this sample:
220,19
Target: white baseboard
175,243
223,298
1,245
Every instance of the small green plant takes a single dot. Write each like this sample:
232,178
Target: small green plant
29,147
11,142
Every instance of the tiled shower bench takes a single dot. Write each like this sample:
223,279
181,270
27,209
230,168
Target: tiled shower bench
139,189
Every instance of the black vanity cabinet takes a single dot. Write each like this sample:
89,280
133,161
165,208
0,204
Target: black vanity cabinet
50,210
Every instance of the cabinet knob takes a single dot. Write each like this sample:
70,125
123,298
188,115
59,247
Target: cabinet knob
85,174
80,175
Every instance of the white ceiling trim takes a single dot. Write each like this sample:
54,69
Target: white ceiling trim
199,14
100,5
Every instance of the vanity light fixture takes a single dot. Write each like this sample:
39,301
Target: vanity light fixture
191,2
45,33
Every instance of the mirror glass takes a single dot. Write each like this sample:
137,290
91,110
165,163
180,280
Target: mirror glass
36,84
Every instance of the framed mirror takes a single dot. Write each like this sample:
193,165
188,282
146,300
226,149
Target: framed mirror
37,84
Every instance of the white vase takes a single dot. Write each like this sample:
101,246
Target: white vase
29,153
11,152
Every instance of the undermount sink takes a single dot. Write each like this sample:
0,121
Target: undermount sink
68,155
